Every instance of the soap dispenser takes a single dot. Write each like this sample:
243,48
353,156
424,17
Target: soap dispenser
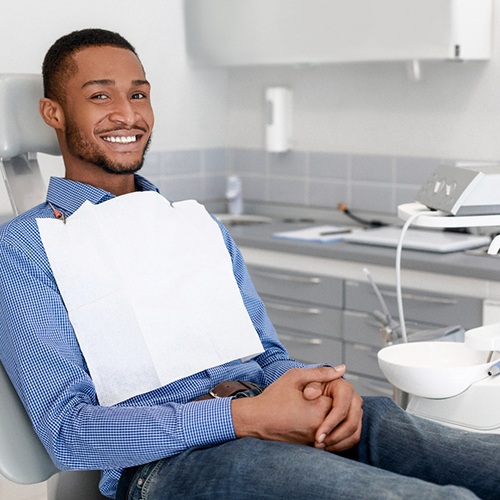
234,195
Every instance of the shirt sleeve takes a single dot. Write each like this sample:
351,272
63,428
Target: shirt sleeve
40,353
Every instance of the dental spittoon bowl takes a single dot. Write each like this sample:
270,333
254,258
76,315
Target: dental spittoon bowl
433,369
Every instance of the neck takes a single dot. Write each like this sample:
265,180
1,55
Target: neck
116,184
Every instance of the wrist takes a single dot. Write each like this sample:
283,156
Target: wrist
245,419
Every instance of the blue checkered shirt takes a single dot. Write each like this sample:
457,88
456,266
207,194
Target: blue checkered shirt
40,352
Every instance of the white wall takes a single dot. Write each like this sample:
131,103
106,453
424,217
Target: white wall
190,104
454,112
359,108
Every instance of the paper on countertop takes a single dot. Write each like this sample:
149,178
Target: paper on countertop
429,240
149,290
321,234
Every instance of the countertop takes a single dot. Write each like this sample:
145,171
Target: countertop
463,264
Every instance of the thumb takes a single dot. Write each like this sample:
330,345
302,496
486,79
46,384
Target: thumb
314,389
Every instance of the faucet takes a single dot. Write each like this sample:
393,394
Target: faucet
234,195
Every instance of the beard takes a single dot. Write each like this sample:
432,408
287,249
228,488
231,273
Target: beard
89,152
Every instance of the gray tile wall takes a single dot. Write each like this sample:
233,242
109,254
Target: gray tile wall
198,174
370,183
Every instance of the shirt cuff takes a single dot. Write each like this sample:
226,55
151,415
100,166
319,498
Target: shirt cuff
208,422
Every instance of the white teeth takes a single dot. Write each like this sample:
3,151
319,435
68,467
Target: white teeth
121,139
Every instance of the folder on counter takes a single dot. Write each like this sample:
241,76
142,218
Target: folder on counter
318,234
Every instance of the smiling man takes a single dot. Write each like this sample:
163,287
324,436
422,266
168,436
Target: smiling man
259,424
103,124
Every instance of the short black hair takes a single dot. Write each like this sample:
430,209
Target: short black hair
58,64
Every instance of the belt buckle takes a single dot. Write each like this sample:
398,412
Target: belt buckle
214,394
228,389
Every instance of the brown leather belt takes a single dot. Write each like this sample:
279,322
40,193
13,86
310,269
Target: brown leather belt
232,388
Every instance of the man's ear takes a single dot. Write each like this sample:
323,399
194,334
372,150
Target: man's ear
51,113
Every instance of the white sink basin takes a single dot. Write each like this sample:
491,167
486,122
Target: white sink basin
243,219
433,369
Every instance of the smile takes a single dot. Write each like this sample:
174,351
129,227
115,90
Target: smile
121,139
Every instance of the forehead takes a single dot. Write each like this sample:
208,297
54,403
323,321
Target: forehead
106,63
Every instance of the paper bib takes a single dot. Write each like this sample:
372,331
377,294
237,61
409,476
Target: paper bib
150,292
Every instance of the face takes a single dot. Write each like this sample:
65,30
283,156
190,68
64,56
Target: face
108,117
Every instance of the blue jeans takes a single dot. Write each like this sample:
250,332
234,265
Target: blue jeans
399,456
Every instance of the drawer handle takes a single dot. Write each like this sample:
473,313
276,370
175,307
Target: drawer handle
422,298
300,340
295,309
288,277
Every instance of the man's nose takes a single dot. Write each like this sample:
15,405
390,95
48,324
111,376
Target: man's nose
123,112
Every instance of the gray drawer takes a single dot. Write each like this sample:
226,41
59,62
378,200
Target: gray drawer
425,307
361,327
311,349
304,287
366,386
362,359
309,318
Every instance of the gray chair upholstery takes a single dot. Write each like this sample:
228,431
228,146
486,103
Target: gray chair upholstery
23,459
23,133
22,129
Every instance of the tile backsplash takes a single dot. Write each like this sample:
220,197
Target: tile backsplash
367,183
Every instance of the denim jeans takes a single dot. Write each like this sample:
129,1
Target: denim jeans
399,457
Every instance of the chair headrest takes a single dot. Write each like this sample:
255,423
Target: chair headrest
22,129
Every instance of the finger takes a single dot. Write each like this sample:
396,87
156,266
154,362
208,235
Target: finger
338,444
343,445
343,396
321,374
347,433
314,390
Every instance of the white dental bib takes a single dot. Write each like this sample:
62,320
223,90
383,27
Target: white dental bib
150,292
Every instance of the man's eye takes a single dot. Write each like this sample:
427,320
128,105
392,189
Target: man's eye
139,95
99,96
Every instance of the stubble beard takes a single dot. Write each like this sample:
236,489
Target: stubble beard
90,153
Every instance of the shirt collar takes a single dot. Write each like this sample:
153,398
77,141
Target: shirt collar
70,195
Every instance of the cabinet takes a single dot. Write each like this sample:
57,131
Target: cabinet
260,32
423,311
419,306
306,310
324,319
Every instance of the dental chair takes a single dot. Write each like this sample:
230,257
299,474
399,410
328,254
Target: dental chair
23,459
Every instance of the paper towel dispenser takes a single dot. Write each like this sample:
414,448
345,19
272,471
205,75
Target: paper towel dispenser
260,32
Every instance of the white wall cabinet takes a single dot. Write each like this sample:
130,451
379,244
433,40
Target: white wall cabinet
265,32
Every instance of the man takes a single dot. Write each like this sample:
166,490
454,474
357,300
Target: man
304,436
